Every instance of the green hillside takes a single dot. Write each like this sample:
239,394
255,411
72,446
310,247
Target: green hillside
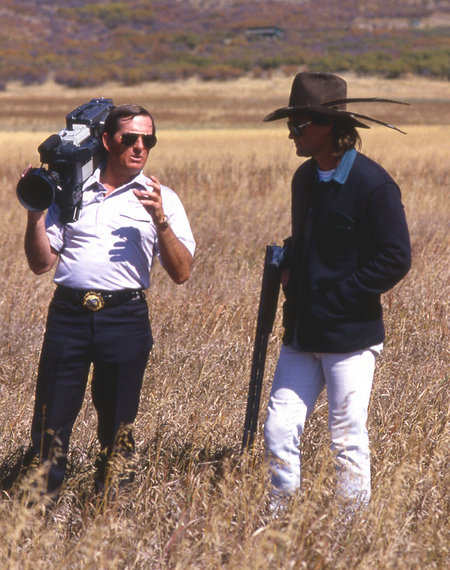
83,43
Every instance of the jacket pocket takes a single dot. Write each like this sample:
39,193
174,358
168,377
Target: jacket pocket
337,239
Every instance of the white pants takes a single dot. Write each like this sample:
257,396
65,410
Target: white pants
299,379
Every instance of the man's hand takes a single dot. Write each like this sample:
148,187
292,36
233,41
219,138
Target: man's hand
175,257
151,200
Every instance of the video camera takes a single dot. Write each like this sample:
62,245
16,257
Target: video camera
72,155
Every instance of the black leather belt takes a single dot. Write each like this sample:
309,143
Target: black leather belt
96,300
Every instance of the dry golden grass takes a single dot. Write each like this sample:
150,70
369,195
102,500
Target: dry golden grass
196,503
198,104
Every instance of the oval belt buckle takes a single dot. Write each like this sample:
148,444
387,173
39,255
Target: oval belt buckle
93,301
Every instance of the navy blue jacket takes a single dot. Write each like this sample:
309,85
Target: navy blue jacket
349,244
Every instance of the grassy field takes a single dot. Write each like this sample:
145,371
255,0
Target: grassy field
196,503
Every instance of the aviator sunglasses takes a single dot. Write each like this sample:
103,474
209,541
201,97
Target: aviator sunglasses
129,139
297,130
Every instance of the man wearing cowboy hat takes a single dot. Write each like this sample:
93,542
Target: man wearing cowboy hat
349,244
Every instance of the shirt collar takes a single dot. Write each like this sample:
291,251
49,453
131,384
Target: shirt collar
342,170
94,180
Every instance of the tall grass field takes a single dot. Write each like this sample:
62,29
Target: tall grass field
196,502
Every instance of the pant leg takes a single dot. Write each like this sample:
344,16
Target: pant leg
122,343
297,384
349,381
61,384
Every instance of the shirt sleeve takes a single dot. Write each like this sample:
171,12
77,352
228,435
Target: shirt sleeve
54,228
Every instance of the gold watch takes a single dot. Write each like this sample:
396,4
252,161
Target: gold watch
162,225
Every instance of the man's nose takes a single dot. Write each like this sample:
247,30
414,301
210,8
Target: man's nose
139,142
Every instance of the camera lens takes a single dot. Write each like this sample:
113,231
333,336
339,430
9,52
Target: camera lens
36,190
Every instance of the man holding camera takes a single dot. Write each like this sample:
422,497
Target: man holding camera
99,314
349,244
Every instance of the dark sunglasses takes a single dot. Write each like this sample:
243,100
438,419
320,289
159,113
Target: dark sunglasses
129,139
297,130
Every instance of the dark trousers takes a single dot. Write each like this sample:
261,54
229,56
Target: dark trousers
117,341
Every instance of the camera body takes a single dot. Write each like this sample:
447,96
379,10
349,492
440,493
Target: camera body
72,155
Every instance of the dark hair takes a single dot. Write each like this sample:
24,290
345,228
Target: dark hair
344,133
124,112
345,136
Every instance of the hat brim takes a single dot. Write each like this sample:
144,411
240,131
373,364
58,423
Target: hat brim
286,112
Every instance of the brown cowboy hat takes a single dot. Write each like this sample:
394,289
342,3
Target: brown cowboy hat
325,94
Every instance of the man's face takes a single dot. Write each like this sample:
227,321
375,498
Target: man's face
129,160
309,139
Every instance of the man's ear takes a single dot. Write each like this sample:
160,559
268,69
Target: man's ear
106,141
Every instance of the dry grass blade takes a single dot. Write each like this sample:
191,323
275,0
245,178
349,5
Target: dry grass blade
195,502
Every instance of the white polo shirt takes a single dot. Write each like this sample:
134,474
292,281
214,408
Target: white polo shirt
112,244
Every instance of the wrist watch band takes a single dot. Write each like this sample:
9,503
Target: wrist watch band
162,225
